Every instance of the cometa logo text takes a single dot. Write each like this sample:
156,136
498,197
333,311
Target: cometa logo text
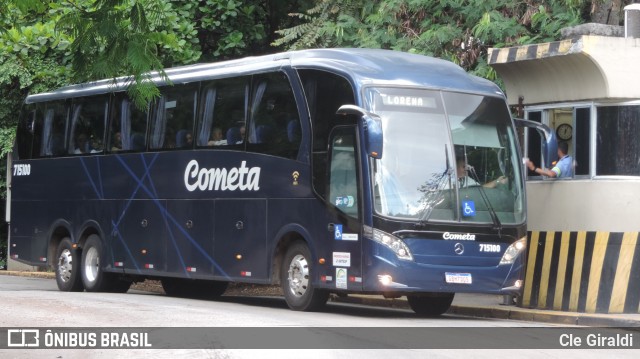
459,236
221,179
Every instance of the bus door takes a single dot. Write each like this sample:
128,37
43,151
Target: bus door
190,237
240,247
344,195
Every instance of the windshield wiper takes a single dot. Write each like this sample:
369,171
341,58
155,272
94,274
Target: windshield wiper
494,216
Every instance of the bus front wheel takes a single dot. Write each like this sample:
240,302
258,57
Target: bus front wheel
296,279
430,305
67,267
94,278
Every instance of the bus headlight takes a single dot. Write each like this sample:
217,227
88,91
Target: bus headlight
394,243
513,251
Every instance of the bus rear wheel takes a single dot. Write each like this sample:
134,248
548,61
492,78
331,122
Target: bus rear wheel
94,278
67,267
296,279
430,305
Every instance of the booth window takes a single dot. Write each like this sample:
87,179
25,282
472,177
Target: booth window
618,146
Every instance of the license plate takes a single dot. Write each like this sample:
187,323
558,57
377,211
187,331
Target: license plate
461,278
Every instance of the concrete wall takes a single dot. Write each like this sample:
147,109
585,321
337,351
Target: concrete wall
584,205
584,247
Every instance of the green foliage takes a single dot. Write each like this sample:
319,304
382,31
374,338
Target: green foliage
323,24
7,135
117,37
33,58
231,28
458,30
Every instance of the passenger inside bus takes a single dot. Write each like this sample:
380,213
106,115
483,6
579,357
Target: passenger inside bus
216,138
184,139
235,135
116,142
169,139
96,145
82,145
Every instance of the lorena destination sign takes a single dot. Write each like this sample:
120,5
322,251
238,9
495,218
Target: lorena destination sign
240,178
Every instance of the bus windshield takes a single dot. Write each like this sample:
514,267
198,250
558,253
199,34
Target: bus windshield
447,157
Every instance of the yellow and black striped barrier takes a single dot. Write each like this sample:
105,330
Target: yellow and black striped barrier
532,52
589,272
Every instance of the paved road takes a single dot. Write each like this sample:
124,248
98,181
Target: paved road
35,302
40,303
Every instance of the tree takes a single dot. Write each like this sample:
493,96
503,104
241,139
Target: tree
607,11
460,31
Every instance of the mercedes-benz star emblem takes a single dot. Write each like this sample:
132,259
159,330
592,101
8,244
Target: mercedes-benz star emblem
458,248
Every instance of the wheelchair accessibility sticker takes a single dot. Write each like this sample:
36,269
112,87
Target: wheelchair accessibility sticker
338,232
468,209
338,235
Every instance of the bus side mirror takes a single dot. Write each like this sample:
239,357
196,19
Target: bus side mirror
549,141
370,126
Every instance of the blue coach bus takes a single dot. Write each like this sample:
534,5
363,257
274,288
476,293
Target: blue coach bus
324,171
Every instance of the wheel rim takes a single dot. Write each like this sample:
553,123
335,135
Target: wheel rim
65,265
298,275
91,264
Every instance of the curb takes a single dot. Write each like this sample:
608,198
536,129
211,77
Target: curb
47,275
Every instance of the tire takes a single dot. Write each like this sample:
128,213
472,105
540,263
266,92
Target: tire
94,278
67,267
430,305
193,288
296,279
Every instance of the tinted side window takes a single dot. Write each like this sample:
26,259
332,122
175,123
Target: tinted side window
618,148
223,113
582,143
174,115
88,118
54,128
325,93
128,130
274,127
28,135
343,173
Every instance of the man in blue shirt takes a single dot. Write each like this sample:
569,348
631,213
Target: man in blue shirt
562,169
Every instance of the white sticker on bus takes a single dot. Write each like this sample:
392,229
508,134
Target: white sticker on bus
221,179
21,169
342,259
341,278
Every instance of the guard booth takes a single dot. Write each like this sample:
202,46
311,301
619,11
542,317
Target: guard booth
584,251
